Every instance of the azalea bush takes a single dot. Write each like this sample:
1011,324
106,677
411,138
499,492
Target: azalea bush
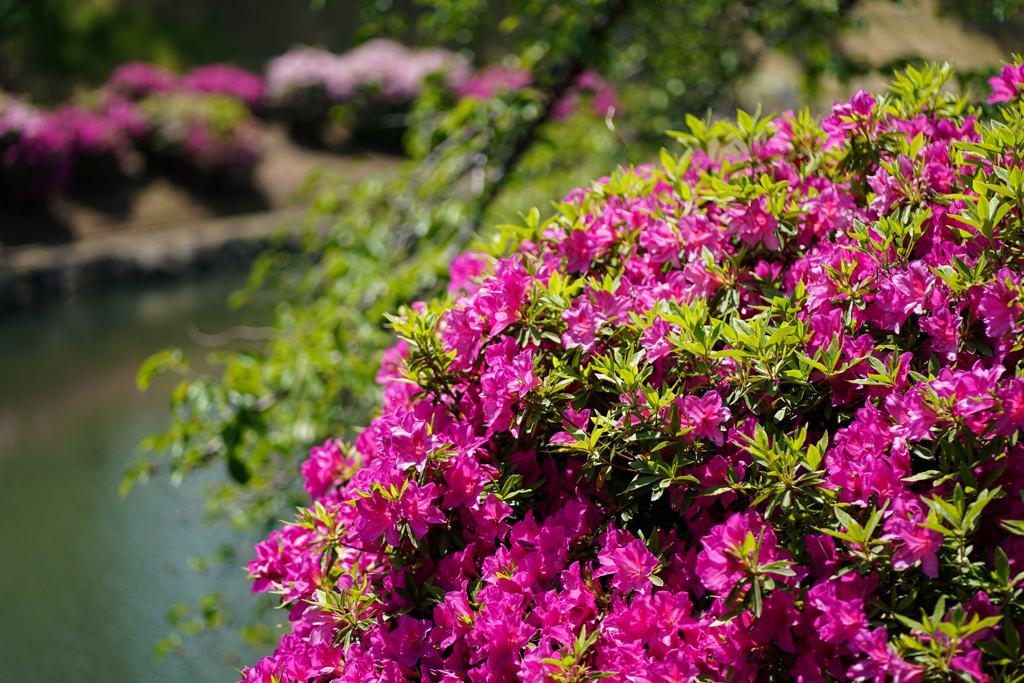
370,86
752,414
35,151
215,135
202,121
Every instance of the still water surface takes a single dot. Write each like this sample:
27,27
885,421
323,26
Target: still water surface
86,577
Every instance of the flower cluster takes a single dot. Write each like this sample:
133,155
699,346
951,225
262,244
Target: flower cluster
137,80
226,79
202,119
199,119
213,134
736,418
35,151
380,71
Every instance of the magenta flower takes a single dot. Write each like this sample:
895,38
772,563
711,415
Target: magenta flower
325,467
908,292
660,239
944,329
408,642
879,656
416,507
827,212
490,519
1000,306
578,248
704,415
226,79
413,444
970,664
1007,85
495,80
718,565
572,420
919,545
631,566
841,619
136,80
654,339
1012,417
466,481
522,379
756,226
377,517
453,618
583,324
464,270
778,616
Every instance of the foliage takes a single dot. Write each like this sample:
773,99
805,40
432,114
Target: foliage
741,417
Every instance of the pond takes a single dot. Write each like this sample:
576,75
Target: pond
87,577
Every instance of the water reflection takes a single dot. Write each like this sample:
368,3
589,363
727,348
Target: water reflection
86,578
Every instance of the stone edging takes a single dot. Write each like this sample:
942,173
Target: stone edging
31,275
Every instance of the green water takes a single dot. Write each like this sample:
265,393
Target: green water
86,577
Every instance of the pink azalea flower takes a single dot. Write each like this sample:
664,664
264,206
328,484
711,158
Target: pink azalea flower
778,616
704,415
453,618
464,270
466,481
661,240
631,566
583,323
719,569
1008,84
413,444
944,329
572,420
408,642
875,646
919,545
324,468
490,519
1012,399
377,517
654,339
578,249
828,211
755,225
416,507
1000,306
970,664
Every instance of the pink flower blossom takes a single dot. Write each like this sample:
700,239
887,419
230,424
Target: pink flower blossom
377,517
919,545
1008,84
583,324
718,565
416,507
1000,305
654,339
703,415
944,328
631,566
